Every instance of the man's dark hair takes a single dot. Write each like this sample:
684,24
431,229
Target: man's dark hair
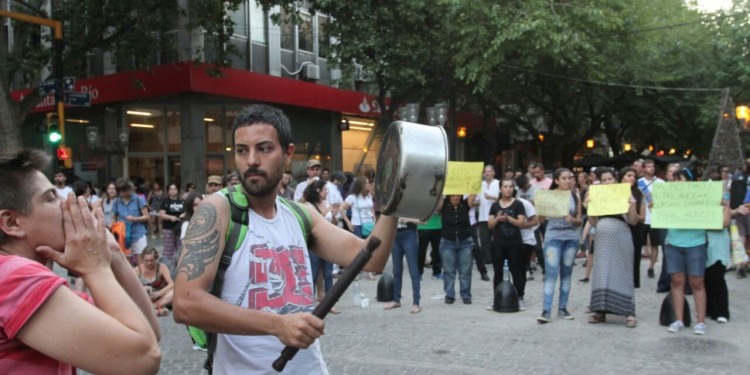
535,164
16,170
338,176
123,184
265,114
522,181
79,187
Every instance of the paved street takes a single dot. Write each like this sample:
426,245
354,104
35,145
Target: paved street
467,339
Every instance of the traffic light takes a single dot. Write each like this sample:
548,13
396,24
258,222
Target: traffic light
64,158
53,129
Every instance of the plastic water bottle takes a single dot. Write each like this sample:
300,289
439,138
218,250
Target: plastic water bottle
357,296
506,271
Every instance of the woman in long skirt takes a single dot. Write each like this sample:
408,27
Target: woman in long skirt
612,289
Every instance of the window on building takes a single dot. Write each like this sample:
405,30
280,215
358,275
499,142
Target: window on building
239,17
145,129
324,40
287,31
306,33
258,23
214,129
355,142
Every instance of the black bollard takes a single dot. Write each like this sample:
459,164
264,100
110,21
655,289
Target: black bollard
667,315
506,298
385,288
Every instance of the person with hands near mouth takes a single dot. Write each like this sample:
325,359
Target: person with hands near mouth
48,328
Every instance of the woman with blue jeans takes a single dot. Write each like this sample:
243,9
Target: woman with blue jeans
405,245
560,246
315,196
455,246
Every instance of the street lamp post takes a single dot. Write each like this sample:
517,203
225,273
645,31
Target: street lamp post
123,137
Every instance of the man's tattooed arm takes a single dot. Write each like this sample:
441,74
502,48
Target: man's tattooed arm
201,242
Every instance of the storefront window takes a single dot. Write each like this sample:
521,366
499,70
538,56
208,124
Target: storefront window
355,143
146,131
214,129
174,130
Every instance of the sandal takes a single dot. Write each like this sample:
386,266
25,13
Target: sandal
392,305
630,322
598,318
335,310
415,309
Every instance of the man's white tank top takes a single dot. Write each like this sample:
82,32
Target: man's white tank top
270,272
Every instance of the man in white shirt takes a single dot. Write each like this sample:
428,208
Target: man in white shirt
656,236
62,189
490,194
538,178
313,173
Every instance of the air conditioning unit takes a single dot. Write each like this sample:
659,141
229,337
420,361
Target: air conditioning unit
312,71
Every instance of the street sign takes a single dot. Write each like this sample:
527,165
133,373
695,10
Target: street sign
69,83
48,87
80,99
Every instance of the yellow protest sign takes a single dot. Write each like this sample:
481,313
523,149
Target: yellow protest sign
610,199
463,178
687,205
552,203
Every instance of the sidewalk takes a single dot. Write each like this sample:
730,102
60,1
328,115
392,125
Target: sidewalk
467,339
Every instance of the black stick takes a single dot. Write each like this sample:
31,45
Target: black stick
333,295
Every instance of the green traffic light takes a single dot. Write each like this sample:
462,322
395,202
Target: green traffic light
54,134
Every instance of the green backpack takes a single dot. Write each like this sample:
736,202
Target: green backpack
235,236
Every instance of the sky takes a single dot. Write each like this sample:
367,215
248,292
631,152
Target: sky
712,5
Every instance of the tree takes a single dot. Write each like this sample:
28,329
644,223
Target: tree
133,31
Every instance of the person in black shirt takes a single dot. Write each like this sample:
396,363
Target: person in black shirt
507,215
172,207
455,246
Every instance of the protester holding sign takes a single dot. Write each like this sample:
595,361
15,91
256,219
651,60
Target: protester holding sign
561,244
628,175
685,252
612,290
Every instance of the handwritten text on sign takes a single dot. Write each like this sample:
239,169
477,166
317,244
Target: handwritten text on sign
687,205
463,178
610,199
552,203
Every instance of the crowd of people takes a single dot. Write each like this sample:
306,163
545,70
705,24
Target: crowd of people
249,257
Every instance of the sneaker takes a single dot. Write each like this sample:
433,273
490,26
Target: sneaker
437,277
544,318
530,276
521,306
676,326
197,347
449,300
485,277
700,329
722,319
489,308
467,301
584,280
563,313
651,274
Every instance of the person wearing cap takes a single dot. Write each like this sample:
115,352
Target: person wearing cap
213,185
313,173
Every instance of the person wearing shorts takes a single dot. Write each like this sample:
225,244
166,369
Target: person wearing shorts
132,208
685,252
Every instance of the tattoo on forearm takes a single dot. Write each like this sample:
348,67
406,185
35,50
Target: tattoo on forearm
201,242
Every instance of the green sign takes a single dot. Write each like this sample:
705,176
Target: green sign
687,205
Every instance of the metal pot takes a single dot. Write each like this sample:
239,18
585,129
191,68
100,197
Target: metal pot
411,170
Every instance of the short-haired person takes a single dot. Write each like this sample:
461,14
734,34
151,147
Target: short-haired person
312,171
60,187
254,317
213,184
655,236
284,189
538,178
46,327
132,209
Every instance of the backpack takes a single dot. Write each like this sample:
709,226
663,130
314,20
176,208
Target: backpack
236,233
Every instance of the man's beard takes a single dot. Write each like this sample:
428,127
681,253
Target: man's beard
266,185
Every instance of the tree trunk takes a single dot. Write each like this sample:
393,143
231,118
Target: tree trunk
10,130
